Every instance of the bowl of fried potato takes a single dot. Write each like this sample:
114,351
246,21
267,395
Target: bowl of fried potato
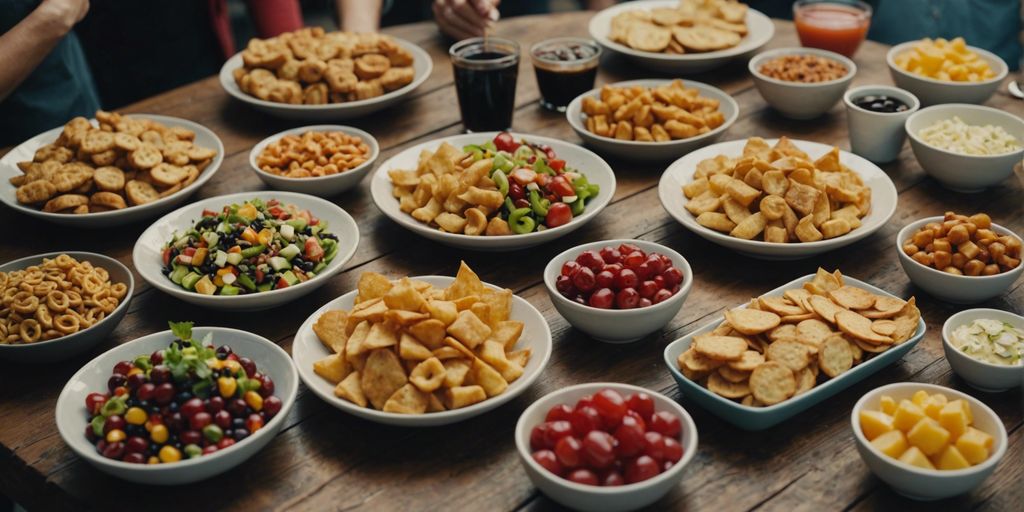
946,71
688,36
293,160
793,347
653,119
422,351
777,199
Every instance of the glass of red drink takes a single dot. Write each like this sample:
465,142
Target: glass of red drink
835,25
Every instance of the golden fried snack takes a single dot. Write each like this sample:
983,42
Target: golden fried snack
651,114
966,246
313,154
694,26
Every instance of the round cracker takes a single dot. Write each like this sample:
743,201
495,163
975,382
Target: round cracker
146,156
720,386
884,327
751,359
752,321
835,356
108,200
703,38
168,175
857,326
783,332
868,347
65,202
824,307
812,332
731,375
109,179
772,383
722,348
791,353
805,380
696,362
780,306
851,297
140,192
97,141
648,37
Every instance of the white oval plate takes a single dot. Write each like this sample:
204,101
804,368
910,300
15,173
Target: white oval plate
760,30
883,201
652,151
149,249
583,160
320,186
422,66
72,417
307,349
26,150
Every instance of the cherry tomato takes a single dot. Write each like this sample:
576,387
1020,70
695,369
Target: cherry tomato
564,286
644,302
591,260
666,424
605,279
556,164
655,263
550,153
556,430
94,401
633,259
626,279
548,460
602,299
627,298
643,271
599,449
167,257
642,404
584,420
610,255
613,479
505,142
629,248
586,401
561,186
559,412
673,450
569,451
583,476
630,437
636,416
661,296
558,214
647,289
313,250
538,437
584,280
611,406
654,446
570,267
641,468
672,276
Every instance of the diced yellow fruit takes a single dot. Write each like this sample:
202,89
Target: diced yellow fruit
919,397
892,443
967,410
887,405
875,423
950,458
248,211
974,445
915,457
953,418
934,404
907,415
929,436
205,286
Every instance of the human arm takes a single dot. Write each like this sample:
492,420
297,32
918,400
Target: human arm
359,15
23,47
462,19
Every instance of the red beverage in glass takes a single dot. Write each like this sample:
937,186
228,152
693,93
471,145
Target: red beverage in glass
835,26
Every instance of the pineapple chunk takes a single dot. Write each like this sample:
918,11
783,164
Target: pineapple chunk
915,457
933,405
967,410
875,423
974,445
950,458
205,286
953,418
919,398
892,443
929,436
887,405
907,415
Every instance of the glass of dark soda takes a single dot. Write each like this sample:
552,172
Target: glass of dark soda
566,67
485,81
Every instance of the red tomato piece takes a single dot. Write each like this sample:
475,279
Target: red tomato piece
561,186
313,250
584,420
569,451
642,404
599,449
556,164
612,407
558,214
666,424
547,459
559,412
583,476
641,468
505,142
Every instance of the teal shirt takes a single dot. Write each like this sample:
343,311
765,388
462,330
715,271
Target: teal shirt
60,88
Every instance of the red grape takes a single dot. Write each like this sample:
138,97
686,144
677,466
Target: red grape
633,259
599,449
642,404
555,431
672,276
655,263
584,279
538,438
643,271
611,406
641,468
564,286
548,460
569,451
584,420
559,412
673,450
627,298
613,479
625,249
604,279
569,268
630,437
647,289
602,298
655,445
583,476
610,255
666,424
644,303
591,260
662,296
626,279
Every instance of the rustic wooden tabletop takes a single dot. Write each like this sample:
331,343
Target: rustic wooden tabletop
326,459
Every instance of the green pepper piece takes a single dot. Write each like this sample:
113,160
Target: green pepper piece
578,206
539,204
503,163
252,252
520,221
541,166
593,189
501,181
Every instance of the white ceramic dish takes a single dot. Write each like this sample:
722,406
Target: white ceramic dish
652,151
618,325
25,151
72,418
933,92
925,484
759,27
307,349
956,171
883,202
585,161
987,377
81,341
422,66
878,136
149,249
594,498
322,186
951,287
798,100
760,418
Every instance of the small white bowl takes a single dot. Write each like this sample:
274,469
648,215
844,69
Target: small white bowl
149,249
988,377
878,136
652,151
591,497
618,325
932,91
321,186
798,100
81,341
951,287
957,171
925,484
72,417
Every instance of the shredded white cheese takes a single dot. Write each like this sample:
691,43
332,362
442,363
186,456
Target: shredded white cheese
959,137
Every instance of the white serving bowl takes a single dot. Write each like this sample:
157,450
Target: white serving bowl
149,250
951,287
798,100
957,171
81,341
680,172
536,336
595,498
583,160
987,377
759,27
422,66
652,151
932,91
25,151
72,417
618,325
928,484
321,186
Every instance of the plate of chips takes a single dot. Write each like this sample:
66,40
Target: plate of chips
792,348
114,186
777,199
315,75
422,351
688,36
583,161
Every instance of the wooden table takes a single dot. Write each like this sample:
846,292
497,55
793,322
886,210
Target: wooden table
325,458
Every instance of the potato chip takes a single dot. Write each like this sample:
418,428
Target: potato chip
404,296
464,396
372,285
382,376
780,306
507,333
333,368
430,332
381,335
411,349
354,347
469,329
488,378
884,327
442,310
330,330
407,400
350,389
456,371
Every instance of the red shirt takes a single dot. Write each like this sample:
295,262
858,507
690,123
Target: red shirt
271,17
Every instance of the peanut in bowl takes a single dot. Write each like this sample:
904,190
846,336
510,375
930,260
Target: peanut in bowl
336,173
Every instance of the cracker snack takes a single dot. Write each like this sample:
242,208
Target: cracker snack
651,114
781,346
694,26
125,162
411,348
777,194
313,67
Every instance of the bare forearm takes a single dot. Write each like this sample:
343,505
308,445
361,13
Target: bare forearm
26,45
359,15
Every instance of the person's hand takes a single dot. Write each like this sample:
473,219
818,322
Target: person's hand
63,13
462,19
